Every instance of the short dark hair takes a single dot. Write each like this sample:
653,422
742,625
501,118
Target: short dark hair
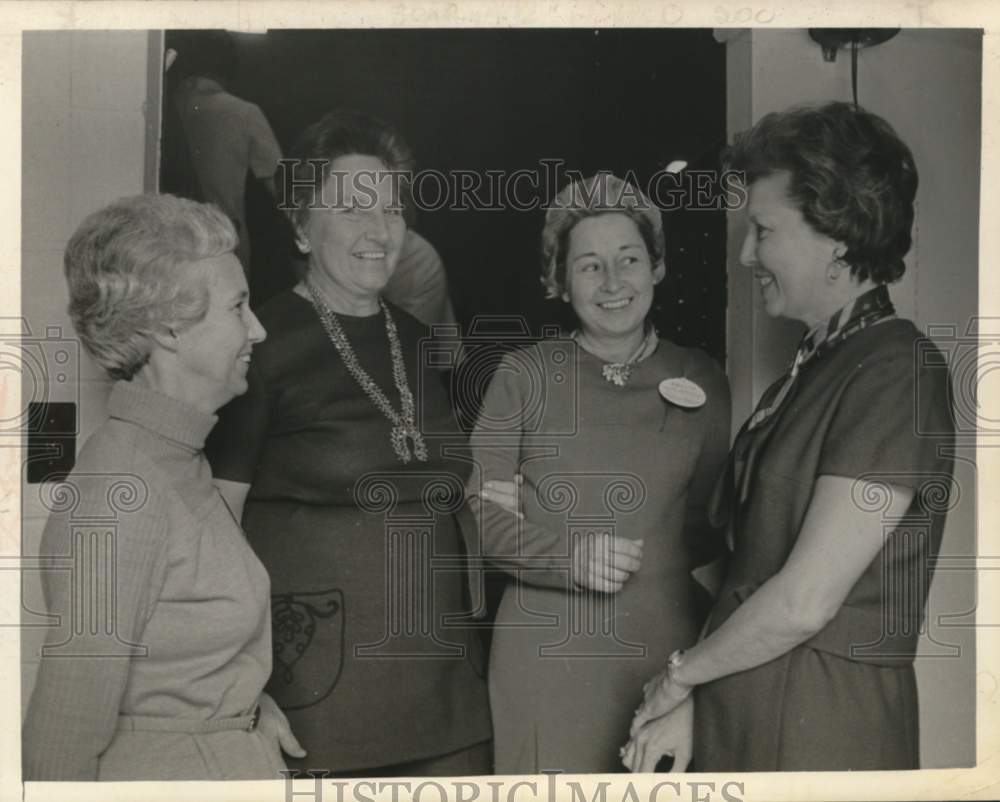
207,53
341,133
851,176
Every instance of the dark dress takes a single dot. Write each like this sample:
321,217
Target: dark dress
874,406
366,563
567,666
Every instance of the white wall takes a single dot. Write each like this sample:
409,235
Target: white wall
927,84
84,143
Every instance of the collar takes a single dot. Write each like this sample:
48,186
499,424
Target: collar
867,309
200,83
164,416
645,349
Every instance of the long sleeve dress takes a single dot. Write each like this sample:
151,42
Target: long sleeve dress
567,666
372,664
147,559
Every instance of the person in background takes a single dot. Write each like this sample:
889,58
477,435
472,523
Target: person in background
617,463
836,495
170,685
336,450
227,138
419,284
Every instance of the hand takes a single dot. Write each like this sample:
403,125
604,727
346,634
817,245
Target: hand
660,695
504,494
671,734
604,563
275,726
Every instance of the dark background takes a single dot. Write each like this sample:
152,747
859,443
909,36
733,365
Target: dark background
614,99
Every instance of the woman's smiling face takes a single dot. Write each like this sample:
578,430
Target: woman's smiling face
214,353
788,256
609,275
356,239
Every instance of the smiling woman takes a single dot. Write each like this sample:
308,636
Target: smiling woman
614,516
365,666
807,662
355,238
610,284
789,256
173,691
214,353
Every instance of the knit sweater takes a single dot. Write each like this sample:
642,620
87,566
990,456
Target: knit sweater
181,613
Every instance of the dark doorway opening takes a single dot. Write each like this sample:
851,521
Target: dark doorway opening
475,101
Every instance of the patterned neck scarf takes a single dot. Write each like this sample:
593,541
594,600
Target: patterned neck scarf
866,310
872,307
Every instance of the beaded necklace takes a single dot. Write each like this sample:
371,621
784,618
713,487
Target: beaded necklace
404,429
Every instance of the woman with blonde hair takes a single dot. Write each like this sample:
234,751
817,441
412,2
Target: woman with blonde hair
170,687
617,463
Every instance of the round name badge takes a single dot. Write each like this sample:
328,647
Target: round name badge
682,392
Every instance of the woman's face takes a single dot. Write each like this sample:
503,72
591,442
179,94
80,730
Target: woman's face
788,256
609,276
356,239
214,353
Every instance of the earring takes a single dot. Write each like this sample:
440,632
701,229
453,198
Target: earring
836,267
303,244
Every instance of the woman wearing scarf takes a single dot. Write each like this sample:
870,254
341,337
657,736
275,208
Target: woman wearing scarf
834,498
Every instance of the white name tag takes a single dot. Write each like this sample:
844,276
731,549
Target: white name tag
682,392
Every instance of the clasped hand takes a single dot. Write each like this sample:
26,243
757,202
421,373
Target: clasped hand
671,734
660,696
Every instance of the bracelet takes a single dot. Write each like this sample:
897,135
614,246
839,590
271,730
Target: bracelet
675,661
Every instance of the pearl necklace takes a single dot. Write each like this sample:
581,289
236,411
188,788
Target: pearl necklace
404,430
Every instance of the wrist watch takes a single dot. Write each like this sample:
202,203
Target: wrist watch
675,661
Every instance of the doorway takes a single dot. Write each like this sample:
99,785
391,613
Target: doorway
484,101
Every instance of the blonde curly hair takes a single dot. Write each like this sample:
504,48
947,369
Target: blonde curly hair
598,194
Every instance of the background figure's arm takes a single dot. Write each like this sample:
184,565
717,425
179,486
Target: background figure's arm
419,283
264,148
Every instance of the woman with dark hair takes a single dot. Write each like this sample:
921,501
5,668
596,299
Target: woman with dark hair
168,684
618,450
835,500
338,454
